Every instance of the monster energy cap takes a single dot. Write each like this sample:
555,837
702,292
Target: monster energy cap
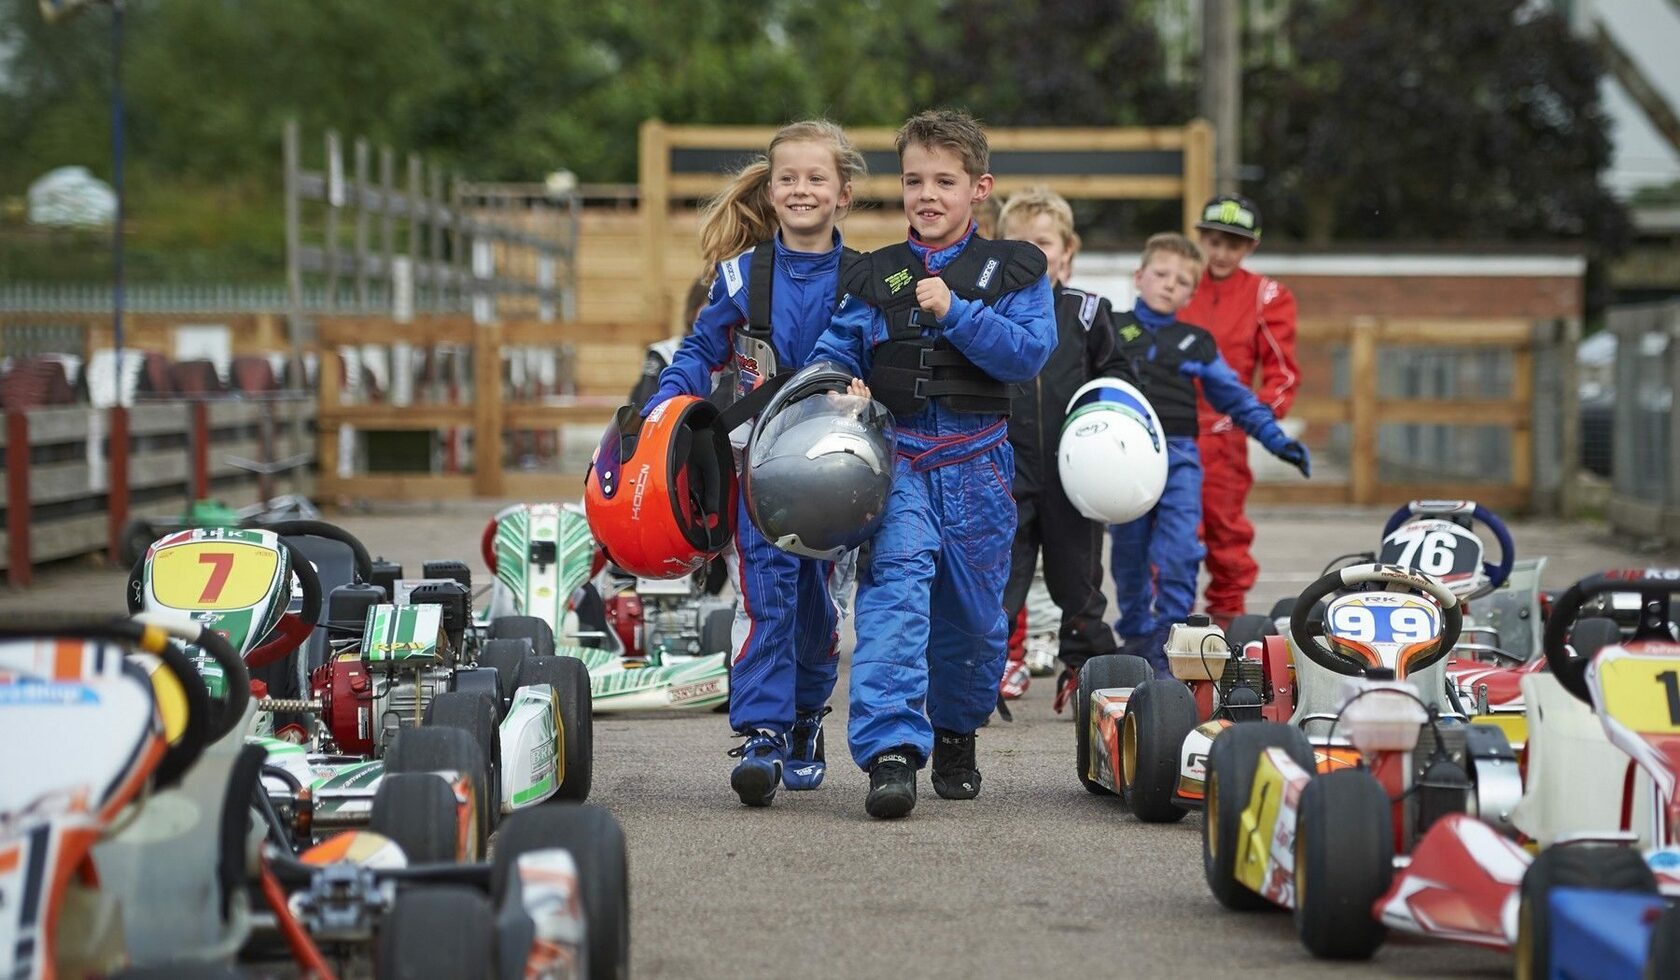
1231,213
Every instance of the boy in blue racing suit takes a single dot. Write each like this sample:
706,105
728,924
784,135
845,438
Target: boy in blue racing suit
940,326
1169,358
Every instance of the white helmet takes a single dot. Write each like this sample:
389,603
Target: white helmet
1113,455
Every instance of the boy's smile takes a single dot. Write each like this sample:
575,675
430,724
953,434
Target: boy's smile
939,195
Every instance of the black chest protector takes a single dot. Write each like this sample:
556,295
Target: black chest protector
754,357
912,365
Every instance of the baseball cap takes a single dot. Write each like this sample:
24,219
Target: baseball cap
1231,213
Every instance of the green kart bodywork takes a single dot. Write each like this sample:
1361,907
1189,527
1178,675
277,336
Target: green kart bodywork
543,554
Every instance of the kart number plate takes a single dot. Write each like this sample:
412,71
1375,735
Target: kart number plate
211,575
1641,693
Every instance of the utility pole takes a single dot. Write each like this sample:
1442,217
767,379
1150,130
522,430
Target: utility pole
1222,88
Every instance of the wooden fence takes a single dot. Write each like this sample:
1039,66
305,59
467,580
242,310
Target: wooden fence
1343,426
75,475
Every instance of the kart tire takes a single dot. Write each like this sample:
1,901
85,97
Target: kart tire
1344,861
439,748
570,680
530,628
1606,867
717,632
181,971
505,655
1159,716
1247,628
417,810
435,932
1230,780
596,843
137,536
1662,959
475,713
1108,670
1590,635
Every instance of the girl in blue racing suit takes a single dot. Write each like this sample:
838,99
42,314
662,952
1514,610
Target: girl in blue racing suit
778,216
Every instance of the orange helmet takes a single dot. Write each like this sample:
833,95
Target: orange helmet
660,494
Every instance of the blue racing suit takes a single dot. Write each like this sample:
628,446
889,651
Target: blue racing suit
785,655
931,632
1168,358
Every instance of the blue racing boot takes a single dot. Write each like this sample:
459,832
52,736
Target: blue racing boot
759,772
806,766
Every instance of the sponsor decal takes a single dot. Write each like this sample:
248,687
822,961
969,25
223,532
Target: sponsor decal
732,275
986,274
1091,429
1130,332
690,692
641,488
898,281
42,693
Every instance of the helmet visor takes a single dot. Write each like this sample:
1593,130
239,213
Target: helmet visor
1101,399
617,445
867,415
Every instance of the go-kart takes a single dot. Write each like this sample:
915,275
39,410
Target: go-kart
1377,805
646,643
399,689
127,838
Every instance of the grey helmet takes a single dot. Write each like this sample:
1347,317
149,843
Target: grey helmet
819,465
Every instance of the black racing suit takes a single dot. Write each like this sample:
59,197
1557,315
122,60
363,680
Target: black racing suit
1045,518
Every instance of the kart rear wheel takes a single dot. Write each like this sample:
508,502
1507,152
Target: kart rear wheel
1606,867
1663,957
1230,781
530,628
1344,861
1247,628
474,712
435,932
1159,716
1108,670
438,749
596,843
505,655
137,536
717,632
417,810
570,680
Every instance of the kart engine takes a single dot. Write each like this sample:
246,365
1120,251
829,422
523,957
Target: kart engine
670,625
363,705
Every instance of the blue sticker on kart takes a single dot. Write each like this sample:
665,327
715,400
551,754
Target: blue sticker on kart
30,693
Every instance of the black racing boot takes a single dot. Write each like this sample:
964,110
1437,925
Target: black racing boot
892,784
956,776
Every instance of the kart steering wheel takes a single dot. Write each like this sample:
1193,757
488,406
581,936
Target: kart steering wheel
293,628
1496,572
332,532
487,541
1354,576
1654,585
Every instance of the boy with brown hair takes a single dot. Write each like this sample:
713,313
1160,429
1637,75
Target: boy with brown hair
940,325
1044,517
1169,359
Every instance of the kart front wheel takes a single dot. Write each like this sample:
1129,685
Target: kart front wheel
474,712
717,633
437,931
1230,781
596,843
530,628
505,655
570,680
436,749
1159,716
1604,867
1344,861
417,810
1108,670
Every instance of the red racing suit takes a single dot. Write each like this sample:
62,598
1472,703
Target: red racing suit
1252,319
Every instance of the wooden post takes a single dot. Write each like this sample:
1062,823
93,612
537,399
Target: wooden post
487,410
1198,171
199,446
1362,409
654,167
18,570
1522,433
328,380
1222,86
116,479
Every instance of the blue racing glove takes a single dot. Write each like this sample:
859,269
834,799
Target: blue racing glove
1278,443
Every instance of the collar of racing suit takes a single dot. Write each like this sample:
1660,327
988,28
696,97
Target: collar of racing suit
807,265
937,260
1149,318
